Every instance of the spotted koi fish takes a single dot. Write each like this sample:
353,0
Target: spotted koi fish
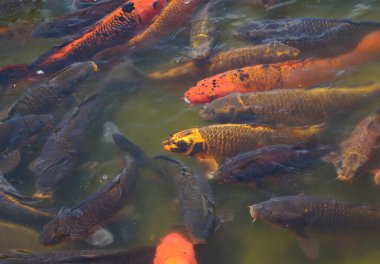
286,75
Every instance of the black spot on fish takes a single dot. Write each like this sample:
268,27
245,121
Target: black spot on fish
128,7
121,18
243,76
181,146
155,5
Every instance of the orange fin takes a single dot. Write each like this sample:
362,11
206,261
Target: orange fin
208,165
309,246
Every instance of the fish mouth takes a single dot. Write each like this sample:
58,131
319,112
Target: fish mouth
186,100
344,178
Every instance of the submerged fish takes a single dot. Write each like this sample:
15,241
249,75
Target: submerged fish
356,150
19,208
227,60
115,28
195,196
75,22
86,217
286,75
174,249
142,255
303,215
43,97
202,34
272,160
318,36
60,152
287,106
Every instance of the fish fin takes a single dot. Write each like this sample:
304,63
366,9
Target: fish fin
374,127
100,238
332,157
309,246
208,165
8,163
21,198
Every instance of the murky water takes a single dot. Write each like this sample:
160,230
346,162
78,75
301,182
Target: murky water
148,112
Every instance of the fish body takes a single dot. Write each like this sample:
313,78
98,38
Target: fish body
76,21
115,28
17,131
287,106
271,160
174,249
202,34
305,215
141,255
84,218
45,96
228,140
60,152
285,75
357,149
227,60
195,196
319,36
19,208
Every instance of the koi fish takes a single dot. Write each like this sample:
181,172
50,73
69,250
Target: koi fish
227,60
174,249
356,150
303,215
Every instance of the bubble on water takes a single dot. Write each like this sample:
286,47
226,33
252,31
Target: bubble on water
40,72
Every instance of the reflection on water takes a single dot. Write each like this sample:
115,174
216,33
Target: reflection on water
148,112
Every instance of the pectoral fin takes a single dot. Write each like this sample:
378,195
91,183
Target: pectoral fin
309,246
208,165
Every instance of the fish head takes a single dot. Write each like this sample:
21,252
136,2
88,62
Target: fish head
187,143
209,89
226,109
55,231
349,165
174,249
279,212
37,123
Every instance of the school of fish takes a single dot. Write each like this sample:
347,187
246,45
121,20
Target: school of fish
271,102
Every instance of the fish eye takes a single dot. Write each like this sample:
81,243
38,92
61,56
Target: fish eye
182,145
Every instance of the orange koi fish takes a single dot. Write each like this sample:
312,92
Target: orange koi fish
174,249
115,28
286,75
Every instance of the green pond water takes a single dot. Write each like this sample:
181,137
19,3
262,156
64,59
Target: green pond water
148,112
